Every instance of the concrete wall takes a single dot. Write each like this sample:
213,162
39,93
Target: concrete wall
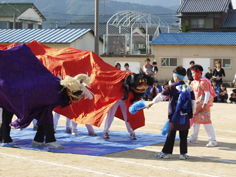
31,16
112,60
195,51
86,42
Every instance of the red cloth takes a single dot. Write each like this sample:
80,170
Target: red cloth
106,83
5,46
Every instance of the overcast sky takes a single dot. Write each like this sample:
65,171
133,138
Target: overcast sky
234,3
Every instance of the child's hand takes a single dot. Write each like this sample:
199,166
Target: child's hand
204,106
149,105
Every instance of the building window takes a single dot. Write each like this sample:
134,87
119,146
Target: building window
168,61
225,63
35,26
197,23
209,23
217,15
4,25
24,25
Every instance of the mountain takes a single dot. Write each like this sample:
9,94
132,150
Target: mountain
164,3
65,11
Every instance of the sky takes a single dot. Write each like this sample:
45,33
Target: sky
234,3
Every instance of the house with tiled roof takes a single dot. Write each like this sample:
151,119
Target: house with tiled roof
20,16
208,15
175,49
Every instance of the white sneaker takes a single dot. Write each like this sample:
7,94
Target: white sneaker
192,141
74,132
212,143
11,143
183,156
37,144
55,145
162,155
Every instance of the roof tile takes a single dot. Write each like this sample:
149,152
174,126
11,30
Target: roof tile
207,38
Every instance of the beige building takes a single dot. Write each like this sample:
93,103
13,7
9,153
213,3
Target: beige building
174,49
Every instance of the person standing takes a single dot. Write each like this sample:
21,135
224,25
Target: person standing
127,67
154,68
204,96
218,73
147,68
118,66
5,129
178,75
189,74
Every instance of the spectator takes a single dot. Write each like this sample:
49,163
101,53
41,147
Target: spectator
218,73
118,66
232,98
154,68
216,89
209,74
147,68
189,74
154,90
165,85
223,96
127,67
234,83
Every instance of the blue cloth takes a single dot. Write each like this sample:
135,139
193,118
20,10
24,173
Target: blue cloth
184,105
88,145
149,90
165,128
179,76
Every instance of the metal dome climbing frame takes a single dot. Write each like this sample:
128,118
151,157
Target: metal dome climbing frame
126,21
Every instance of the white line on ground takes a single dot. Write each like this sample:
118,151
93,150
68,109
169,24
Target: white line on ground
159,167
60,165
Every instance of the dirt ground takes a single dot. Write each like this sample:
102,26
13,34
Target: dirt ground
203,161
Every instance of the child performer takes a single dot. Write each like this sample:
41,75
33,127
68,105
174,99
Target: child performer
71,127
204,95
178,75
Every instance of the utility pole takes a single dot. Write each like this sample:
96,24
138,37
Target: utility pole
96,27
14,20
104,9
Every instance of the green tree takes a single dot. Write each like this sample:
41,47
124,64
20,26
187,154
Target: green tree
186,27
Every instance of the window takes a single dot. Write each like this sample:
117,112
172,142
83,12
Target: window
217,15
35,26
4,25
168,61
197,23
24,25
209,23
225,63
